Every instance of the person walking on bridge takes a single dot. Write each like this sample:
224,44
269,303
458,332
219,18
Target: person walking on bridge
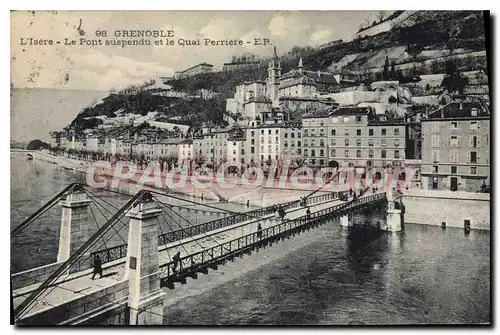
259,231
282,213
177,260
97,267
308,213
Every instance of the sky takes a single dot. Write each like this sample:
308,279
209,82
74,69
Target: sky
103,67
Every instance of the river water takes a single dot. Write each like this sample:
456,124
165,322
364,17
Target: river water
423,275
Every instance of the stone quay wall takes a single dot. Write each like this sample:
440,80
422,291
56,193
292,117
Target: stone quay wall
435,207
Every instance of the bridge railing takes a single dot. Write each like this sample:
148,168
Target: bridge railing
117,252
179,234
106,255
193,262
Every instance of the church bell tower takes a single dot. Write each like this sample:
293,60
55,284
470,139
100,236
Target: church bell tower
273,79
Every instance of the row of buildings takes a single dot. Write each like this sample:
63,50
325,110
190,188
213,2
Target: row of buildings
454,144
321,119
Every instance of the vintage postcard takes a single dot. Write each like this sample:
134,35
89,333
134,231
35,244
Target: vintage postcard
250,168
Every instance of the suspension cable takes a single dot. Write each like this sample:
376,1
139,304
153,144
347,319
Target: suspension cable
19,228
74,257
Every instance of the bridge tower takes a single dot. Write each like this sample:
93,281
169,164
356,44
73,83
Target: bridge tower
145,300
75,229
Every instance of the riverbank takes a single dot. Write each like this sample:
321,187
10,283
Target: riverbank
429,207
229,189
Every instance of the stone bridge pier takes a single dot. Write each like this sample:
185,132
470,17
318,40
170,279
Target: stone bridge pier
388,216
145,300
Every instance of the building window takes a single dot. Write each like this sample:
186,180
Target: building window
383,153
334,119
306,153
435,169
383,142
435,141
321,143
358,153
358,132
252,150
298,143
370,153
358,119
474,143
435,155
262,132
453,169
396,142
321,152
333,153
454,141
253,141
473,126
453,156
346,132
313,143
370,142
370,132
305,132
299,135
285,144
473,170
253,133
292,135
396,153
346,119
277,131
306,142
333,141
346,142
454,125
269,132
396,131
435,127
384,131
286,135
313,153
334,132
358,143
473,157
346,153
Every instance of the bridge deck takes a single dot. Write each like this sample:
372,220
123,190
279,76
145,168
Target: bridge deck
80,284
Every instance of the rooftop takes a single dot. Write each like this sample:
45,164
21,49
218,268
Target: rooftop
459,109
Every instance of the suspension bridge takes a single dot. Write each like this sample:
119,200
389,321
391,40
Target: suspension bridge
137,240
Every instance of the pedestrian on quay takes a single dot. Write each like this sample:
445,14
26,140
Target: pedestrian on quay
97,267
308,213
177,260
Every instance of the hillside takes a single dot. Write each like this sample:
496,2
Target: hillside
420,43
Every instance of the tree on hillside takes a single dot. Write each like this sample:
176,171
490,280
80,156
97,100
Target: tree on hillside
37,145
386,69
453,81
392,74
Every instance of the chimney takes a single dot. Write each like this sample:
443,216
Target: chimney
461,105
